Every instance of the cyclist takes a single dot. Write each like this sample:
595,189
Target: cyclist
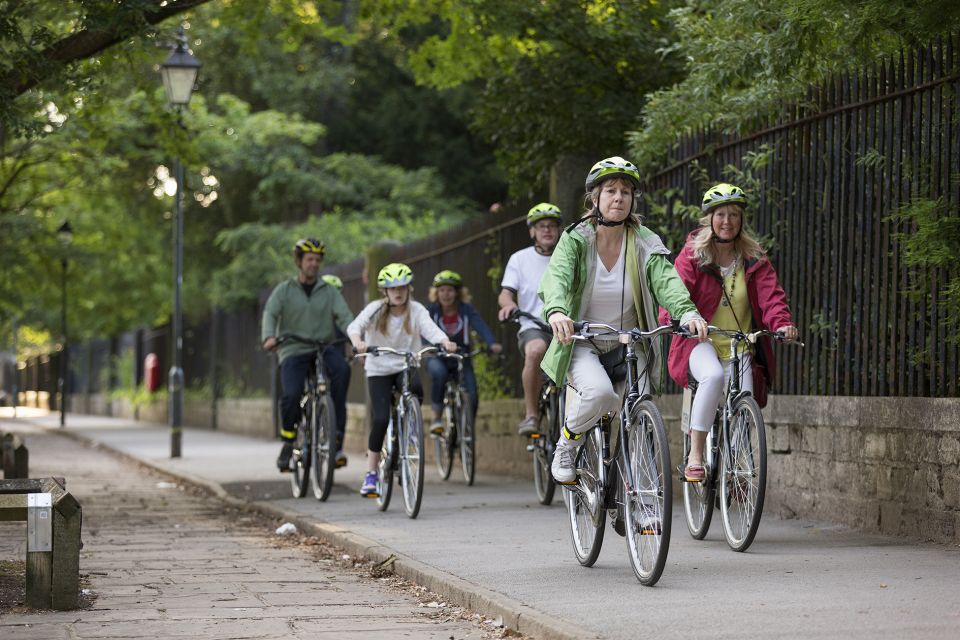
396,321
451,310
733,283
607,268
518,290
341,461
311,308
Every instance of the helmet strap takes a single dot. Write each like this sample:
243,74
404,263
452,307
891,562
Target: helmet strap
541,250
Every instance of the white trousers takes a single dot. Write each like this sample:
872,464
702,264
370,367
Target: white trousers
590,394
712,376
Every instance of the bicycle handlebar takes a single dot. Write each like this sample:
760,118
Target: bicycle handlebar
583,328
390,351
752,337
516,314
310,341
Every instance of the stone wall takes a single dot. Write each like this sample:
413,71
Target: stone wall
884,465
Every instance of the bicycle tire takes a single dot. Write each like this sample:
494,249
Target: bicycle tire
466,434
300,478
324,447
587,519
388,458
411,457
543,483
443,443
743,474
648,508
698,497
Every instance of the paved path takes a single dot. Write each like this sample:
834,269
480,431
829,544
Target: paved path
165,562
799,578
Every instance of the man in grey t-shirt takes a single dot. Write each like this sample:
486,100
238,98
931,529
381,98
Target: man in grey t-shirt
521,279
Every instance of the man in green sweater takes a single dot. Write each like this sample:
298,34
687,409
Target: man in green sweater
311,308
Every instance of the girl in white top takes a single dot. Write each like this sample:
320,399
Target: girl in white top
398,322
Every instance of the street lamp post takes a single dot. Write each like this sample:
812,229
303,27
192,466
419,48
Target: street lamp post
179,73
65,236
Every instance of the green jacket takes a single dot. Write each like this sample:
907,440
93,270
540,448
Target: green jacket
289,310
569,280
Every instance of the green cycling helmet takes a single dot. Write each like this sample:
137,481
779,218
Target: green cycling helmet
614,167
332,280
543,211
394,275
723,193
446,276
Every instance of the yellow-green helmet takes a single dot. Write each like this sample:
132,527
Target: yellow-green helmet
308,245
449,277
543,211
332,280
723,193
394,275
613,167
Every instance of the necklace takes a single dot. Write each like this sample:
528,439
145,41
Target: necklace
730,273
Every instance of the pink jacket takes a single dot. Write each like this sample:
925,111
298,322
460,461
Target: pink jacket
767,300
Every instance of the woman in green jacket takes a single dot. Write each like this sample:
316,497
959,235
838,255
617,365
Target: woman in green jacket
606,268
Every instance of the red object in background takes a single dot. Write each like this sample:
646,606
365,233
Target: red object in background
151,372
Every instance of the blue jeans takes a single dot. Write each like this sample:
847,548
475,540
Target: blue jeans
442,368
293,374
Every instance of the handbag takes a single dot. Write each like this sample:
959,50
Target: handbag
615,363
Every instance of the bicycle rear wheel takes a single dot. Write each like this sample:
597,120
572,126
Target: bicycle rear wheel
743,474
388,459
443,443
648,505
324,447
300,478
411,456
698,497
547,417
585,502
465,433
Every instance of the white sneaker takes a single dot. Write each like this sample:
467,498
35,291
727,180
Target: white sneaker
564,468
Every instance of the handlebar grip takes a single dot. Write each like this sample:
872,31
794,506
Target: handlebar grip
580,325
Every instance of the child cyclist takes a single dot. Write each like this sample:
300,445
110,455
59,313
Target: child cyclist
395,321
451,310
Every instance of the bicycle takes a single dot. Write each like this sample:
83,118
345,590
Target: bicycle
402,449
637,490
316,443
738,439
543,441
459,429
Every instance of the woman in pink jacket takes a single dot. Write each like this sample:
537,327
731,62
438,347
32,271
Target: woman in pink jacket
734,286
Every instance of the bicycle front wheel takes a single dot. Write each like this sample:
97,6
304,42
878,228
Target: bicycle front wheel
388,459
648,504
547,417
698,498
443,443
585,501
324,447
300,478
465,432
743,474
411,456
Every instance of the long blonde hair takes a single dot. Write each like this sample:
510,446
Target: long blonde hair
383,315
744,247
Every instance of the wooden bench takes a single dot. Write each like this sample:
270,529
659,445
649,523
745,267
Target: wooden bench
14,456
53,518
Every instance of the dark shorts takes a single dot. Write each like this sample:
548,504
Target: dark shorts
526,337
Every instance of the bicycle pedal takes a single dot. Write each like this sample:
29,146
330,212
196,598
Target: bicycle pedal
535,436
531,448
340,464
371,495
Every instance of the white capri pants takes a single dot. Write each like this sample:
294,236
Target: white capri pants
711,376
590,394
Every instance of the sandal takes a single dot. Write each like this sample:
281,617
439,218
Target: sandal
694,473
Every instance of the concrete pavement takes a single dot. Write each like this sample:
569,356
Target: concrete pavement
491,546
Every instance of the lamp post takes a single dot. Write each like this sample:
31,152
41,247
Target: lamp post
65,236
179,73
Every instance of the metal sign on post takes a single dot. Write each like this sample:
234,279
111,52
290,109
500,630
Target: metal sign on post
39,522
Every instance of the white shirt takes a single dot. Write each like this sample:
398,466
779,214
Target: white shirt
612,295
365,326
524,270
